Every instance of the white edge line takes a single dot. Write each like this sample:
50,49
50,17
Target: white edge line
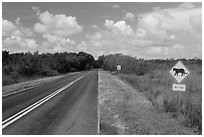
35,105
98,107
31,106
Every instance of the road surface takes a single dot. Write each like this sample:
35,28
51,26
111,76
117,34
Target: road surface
65,106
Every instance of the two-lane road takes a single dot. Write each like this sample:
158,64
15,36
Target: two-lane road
65,106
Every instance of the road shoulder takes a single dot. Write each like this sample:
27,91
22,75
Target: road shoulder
124,110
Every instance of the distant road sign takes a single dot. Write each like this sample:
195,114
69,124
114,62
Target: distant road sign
179,87
118,67
179,71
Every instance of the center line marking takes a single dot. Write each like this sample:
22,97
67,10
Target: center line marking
23,112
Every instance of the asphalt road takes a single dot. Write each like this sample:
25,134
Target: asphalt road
65,106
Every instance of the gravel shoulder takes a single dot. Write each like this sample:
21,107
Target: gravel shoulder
19,87
124,110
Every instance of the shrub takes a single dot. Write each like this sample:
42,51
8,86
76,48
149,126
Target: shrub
7,79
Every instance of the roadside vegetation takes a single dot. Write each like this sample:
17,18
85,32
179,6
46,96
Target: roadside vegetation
152,78
19,67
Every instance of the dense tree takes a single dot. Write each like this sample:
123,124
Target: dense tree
100,62
47,64
132,65
28,64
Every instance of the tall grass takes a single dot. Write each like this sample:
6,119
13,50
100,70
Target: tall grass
156,85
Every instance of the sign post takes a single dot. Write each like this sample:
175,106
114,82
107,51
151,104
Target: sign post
179,72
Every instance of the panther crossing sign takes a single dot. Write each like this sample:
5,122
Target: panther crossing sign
179,71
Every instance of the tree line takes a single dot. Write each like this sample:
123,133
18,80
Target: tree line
46,64
137,66
15,65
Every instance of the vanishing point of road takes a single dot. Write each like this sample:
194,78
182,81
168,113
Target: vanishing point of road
65,106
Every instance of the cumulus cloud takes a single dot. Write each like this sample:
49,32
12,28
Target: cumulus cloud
109,23
186,5
59,24
156,8
161,33
40,28
120,37
16,37
53,43
178,46
7,27
115,6
172,37
55,30
19,44
173,27
94,26
140,33
95,36
108,41
161,21
123,27
11,29
129,16
119,27
57,40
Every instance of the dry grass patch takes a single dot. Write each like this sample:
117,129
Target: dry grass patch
157,87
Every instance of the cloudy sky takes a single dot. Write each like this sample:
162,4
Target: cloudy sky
145,30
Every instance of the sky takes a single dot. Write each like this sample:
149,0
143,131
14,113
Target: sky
148,30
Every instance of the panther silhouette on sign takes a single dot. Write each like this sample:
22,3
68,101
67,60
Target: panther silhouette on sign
181,70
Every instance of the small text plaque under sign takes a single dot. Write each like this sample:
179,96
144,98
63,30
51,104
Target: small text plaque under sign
179,87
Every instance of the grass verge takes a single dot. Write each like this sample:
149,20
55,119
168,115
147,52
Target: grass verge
156,85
